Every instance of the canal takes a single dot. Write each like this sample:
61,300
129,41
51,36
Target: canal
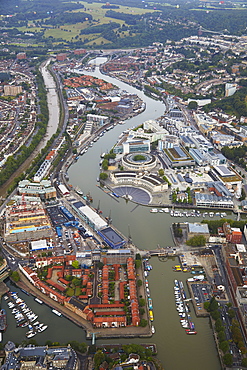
176,350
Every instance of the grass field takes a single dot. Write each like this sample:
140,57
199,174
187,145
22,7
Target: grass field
71,32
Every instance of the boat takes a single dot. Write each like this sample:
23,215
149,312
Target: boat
78,190
153,329
150,304
42,328
153,210
3,320
38,300
151,315
191,332
24,291
31,334
56,312
102,155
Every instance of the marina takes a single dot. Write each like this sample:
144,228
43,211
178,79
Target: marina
23,315
183,308
188,213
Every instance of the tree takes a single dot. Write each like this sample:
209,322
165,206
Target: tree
231,313
224,346
137,264
221,336
99,357
15,276
244,362
139,282
103,176
75,264
193,105
227,359
197,241
143,323
141,302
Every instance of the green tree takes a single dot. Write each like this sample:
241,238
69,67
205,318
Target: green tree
221,336
103,176
105,165
15,276
139,282
75,264
143,323
161,172
137,264
224,346
197,241
231,313
99,357
244,362
142,302
227,359
193,105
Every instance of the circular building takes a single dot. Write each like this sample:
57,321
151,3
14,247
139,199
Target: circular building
139,161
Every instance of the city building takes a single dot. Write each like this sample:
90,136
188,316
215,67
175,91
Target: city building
196,229
26,221
43,189
21,56
11,90
39,358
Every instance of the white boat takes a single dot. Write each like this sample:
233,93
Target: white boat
42,328
56,312
80,192
153,329
154,210
31,334
166,210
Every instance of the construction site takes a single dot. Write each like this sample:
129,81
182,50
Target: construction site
26,220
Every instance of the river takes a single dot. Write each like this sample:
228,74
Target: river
176,350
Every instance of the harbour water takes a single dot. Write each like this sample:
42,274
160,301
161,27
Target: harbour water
176,350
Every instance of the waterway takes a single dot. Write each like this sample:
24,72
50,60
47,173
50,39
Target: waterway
176,350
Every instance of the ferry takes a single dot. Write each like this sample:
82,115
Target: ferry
151,315
38,300
56,312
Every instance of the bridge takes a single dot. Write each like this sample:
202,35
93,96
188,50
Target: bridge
93,337
158,252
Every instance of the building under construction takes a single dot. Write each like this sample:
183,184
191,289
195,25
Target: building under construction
26,220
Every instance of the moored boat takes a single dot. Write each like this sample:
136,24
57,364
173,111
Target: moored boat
3,320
